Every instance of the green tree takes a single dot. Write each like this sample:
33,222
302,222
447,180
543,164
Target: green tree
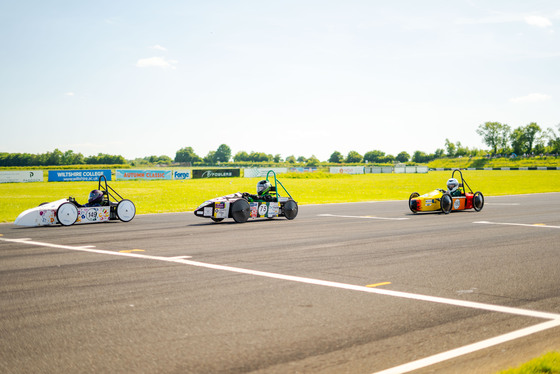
223,153
554,140
354,157
403,157
277,158
450,147
210,158
336,157
187,155
374,156
291,159
312,161
241,156
495,135
532,132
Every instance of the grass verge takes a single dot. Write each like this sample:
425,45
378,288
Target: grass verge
548,363
181,196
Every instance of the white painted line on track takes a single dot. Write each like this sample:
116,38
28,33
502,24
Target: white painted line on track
363,217
553,317
518,224
444,356
319,282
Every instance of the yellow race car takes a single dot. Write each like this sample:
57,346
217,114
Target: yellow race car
454,198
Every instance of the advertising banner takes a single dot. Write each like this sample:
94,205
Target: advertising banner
126,174
261,172
17,176
182,174
216,173
77,175
347,170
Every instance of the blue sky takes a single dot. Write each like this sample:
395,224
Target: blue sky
141,78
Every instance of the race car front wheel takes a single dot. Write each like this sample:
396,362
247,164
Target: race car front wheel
67,214
446,203
478,201
126,210
413,205
290,209
240,211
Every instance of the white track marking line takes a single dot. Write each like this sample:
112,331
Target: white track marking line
440,357
364,217
518,224
553,317
319,282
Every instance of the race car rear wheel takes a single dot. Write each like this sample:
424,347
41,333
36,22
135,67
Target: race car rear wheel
446,203
412,204
478,201
67,214
290,209
240,211
126,210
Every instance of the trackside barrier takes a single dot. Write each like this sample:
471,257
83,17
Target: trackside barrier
78,175
128,174
20,176
347,170
261,172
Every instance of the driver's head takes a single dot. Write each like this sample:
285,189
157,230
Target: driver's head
95,197
263,187
452,184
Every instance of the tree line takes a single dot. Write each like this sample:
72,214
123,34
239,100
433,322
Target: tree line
500,138
57,157
521,141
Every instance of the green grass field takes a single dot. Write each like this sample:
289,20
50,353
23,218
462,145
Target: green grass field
180,196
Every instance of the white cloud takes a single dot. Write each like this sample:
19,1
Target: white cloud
158,62
159,47
538,21
69,93
531,98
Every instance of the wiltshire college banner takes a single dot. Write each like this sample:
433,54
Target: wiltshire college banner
77,175
142,174
216,173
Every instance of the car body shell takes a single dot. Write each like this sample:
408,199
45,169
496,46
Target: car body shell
224,207
444,201
66,212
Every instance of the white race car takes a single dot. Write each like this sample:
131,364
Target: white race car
109,206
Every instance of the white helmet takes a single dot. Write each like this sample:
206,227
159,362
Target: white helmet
452,184
263,187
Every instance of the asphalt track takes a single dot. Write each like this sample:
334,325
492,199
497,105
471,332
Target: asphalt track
343,288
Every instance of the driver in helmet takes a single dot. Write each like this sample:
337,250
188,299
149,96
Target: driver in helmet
95,198
453,187
263,192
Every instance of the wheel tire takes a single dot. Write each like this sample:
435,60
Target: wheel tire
290,209
478,201
412,196
126,210
240,211
446,203
67,214
216,219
